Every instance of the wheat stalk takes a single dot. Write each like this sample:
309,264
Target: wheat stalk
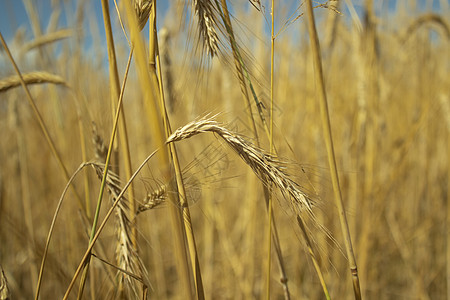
269,169
325,116
100,148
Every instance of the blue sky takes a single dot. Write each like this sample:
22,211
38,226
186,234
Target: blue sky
13,16
13,13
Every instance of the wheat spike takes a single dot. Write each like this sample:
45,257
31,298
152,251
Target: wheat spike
30,78
100,148
142,8
206,23
153,199
268,168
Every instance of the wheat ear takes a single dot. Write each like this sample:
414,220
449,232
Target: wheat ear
142,8
30,78
204,11
269,169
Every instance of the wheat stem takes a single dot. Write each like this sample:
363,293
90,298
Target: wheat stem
115,88
102,225
240,68
149,87
52,226
272,52
188,228
105,174
312,254
330,149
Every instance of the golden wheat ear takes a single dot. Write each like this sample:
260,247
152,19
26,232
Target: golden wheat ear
142,8
269,169
207,24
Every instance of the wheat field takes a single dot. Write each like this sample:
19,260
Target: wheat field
213,149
